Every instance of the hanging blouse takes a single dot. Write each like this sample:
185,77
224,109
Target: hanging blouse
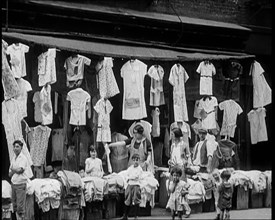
178,77
10,86
17,59
22,97
46,67
75,69
261,89
79,105
133,73
156,73
206,70
103,109
107,83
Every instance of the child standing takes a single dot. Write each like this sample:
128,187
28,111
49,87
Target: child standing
178,190
217,180
93,165
225,195
133,191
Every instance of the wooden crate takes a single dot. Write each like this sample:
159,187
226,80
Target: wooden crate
242,198
209,205
268,197
256,200
143,211
110,209
196,208
163,193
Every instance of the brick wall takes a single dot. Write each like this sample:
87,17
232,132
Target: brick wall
232,11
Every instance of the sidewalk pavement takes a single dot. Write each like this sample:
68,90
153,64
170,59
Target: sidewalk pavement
259,213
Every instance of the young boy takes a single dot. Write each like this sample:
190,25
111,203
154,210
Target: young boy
225,195
133,192
93,165
178,190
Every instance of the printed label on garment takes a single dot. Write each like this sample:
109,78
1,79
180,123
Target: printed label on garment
132,103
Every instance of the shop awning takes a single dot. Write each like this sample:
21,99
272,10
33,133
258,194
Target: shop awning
120,50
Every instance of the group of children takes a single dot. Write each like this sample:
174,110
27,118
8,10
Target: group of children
178,191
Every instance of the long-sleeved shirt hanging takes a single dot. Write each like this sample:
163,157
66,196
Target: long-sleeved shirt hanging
208,106
155,124
46,105
12,123
232,81
10,86
258,130
107,83
75,69
261,89
22,97
17,59
38,140
103,109
178,77
231,111
46,67
156,73
79,105
206,70
133,73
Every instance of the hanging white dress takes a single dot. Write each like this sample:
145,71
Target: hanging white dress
206,70
178,77
156,73
133,73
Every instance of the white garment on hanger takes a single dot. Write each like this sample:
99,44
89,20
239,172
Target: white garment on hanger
261,89
207,71
79,105
231,111
46,105
155,125
177,78
133,73
258,130
156,73
18,60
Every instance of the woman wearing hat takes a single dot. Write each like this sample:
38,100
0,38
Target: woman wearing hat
203,152
180,154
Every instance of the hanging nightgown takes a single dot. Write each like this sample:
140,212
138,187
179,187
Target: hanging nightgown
156,73
18,60
9,83
103,109
178,77
133,73
261,89
46,67
107,83
11,120
156,124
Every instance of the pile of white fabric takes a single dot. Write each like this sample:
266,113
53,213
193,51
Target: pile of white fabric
7,207
47,192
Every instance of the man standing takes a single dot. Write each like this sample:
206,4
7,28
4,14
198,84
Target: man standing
203,152
18,174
